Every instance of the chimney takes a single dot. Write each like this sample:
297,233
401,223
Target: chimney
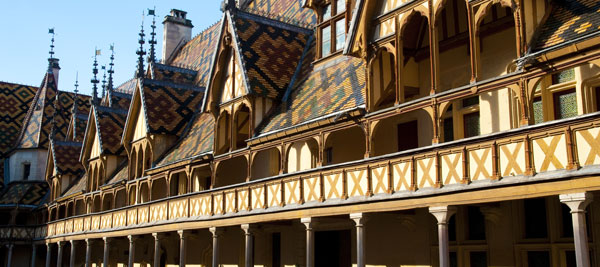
53,66
177,30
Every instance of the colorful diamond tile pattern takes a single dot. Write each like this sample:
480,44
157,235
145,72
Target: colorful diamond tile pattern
119,100
127,87
197,54
110,122
284,10
270,53
169,108
26,193
198,140
15,100
173,74
337,86
568,20
66,157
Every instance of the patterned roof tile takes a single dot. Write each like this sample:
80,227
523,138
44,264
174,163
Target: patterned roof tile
110,123
66,157
286,10
24,192
15,100
197,141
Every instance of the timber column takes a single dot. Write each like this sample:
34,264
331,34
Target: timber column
131,258
216,232
577,202
183,236
106,259
157,239
249,238
359,219
60,253
48,254
33,254
72,256
9,257
442,214
310,241
88,252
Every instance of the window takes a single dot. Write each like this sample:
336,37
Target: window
332,27
471,124
565,104
26,171
555,97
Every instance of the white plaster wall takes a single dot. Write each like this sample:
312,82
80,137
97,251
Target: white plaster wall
36,157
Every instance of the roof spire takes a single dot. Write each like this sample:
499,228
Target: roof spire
51,31
140,69
95,79
52,62
74,110
103,82
110,69
152,42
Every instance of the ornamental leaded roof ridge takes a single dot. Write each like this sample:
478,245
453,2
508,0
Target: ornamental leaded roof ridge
175,68
147,81
305,29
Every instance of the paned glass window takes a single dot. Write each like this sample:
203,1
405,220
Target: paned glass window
538,110
471,101
340,6
563,76
326,12
471,124
326,41
340,34
332,27
565,104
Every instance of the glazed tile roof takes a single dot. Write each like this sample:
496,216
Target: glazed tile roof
66,157
335,86
198,140
127,87
78,186
24,193
174,74
284,10
120,175
270,52
118,100
110,123
15,100
80,121
197,54
568,20
168,106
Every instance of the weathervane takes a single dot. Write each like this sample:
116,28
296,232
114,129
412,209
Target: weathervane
74,109
141,52
152,56
95,79
51,31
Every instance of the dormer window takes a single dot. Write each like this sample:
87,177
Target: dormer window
332,27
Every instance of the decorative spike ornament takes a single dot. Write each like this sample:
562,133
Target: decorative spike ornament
95,79
51,31
152,42
103,82
74,109
141,52
110,69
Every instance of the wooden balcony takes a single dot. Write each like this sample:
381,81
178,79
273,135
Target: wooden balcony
534,154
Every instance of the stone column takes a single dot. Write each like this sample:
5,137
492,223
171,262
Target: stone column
249,251
577,203
106,258
60,253
183,236
157,238
9,256
48,254
442,214
216,232
33,254
310,241
88,253
359,219
131,259
73,253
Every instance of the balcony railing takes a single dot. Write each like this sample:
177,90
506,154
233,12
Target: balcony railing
22,232
563,146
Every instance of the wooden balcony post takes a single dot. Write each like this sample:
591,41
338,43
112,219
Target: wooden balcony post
577,202
443,214
183,236
106,258
88,252
249,248
359,220
73,254
131,258
157,238
48,254
216,233
310,241
60,253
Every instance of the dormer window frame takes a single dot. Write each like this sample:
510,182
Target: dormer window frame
337,17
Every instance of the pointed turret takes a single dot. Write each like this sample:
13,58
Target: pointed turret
110,69
140,69
103,82
152,42
94,80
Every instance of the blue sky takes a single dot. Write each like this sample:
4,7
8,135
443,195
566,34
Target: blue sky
80,26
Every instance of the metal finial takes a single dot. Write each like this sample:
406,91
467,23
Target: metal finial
110,69
51,31
141,52
74,109
103,81
152,42
95,79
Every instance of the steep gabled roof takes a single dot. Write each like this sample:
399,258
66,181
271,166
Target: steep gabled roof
110,123
270,52
15,100
197,54
568,20
24,193
197,141
37,125
333,86
290,11
173,74
65,157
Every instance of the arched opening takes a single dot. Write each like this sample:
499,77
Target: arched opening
556,96
107,202
144,193
452,29
132,195
302,155
120,199
242,126
496,41
231,171
90,181
139,164
178,184
52,216
383,80
79,207
344,145
462,119
97,203
266,163
223,133
402,132
100,179
69,211
201,179
159,188
61,211
416,68
133,163
147,158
